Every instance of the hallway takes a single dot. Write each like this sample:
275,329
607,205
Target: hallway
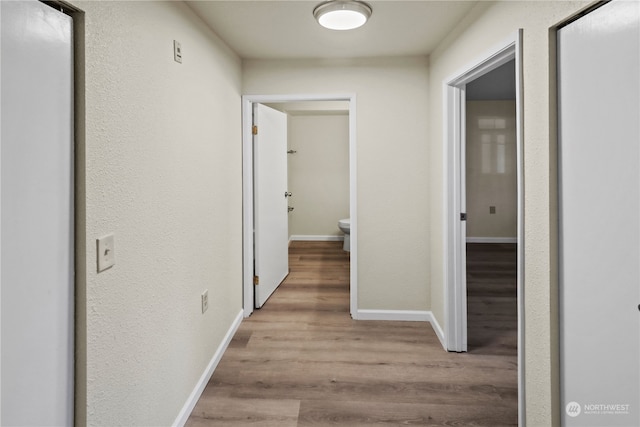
301,360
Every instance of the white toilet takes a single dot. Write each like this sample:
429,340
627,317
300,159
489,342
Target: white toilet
345,226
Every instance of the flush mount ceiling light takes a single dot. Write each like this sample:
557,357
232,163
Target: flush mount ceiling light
342,14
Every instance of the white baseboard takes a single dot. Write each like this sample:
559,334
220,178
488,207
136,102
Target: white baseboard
438,330
316,238
492,240
405,315
398,315
183,416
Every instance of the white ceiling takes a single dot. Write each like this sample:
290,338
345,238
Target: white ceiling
269,29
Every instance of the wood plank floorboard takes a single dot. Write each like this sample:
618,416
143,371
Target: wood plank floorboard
492,318
302,361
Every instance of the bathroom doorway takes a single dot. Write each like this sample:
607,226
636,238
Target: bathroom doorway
302,105
318,168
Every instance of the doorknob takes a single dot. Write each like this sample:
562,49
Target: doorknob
287,194
289,208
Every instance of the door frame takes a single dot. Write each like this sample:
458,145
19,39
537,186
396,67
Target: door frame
454,267
247,190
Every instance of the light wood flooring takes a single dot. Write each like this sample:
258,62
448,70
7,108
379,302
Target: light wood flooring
302,361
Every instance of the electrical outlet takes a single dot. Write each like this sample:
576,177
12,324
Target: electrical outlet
204,298
177,51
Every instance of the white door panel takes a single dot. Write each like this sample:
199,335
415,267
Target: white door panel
599,147
36,237
270,204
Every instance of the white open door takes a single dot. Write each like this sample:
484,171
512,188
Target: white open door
36,238
599,174
271,226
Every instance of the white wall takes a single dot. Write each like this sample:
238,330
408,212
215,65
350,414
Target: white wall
162,170
491,169
486,27
392,170
318,173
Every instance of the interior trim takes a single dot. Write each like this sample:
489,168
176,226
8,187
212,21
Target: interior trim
186,410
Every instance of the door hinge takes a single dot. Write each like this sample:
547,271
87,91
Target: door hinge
256,280
463,216
254,130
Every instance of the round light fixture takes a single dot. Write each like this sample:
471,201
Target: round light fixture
342,14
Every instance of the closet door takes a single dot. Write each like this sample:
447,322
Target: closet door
599,189
36,232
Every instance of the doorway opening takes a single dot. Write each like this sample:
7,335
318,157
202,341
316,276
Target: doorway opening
317,168
456,195
282,102
491,207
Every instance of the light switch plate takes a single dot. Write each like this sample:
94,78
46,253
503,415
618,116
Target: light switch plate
106,252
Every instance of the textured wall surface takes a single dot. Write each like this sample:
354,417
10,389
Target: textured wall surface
318,173
163,173
392,162
484,29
